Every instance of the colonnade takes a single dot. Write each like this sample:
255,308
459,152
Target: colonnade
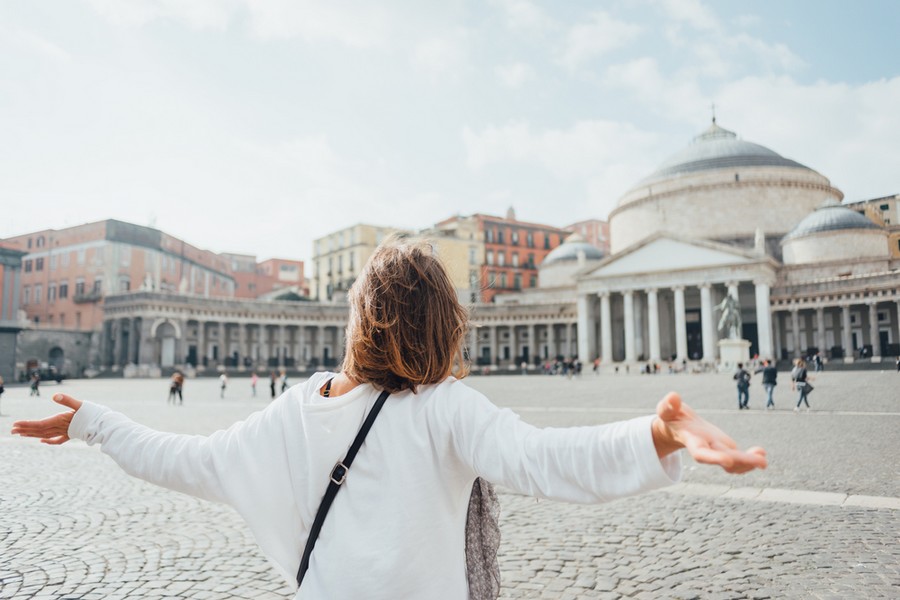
511,343
845,327
664,323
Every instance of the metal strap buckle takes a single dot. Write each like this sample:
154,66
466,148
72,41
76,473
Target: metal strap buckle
339,473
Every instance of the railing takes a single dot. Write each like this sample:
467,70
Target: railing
92,296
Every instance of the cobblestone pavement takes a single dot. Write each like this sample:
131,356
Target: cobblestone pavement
73,526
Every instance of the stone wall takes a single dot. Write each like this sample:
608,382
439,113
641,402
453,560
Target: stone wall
78,351
829,246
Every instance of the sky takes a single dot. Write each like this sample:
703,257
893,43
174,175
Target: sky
257,126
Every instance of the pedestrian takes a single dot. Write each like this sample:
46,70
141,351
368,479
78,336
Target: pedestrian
272,379
223,383
898,364
253,380
35,384
800,382
425,472
597,366
284,381
2,389
175,387
742,377
769,381
817,360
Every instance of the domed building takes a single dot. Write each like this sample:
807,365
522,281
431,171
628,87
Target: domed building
563,263
719,187
826,234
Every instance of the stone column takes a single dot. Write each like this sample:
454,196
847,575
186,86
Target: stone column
628,298
243,345
129,350
776,328
572,332
795,331
820,329
492,344
320,344
473,344
873,329
117,343
638,311
552,343
299,359
606,346
680,324
846,339
201,343
707,324
653,323
586,327
281,346
533,352
764,321
263,345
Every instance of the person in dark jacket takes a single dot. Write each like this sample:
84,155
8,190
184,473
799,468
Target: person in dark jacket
742,377
769,381
800,382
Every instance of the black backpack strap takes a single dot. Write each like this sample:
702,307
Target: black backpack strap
338,475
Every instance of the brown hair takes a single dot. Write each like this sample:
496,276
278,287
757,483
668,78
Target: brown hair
406,323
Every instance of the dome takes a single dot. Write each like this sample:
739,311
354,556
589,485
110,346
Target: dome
830,216
718,148
571,249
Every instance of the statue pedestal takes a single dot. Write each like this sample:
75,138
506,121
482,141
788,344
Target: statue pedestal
732,352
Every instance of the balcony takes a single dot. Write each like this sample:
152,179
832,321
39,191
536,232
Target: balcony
87,297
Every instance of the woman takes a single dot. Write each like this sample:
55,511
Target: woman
800,381
397,527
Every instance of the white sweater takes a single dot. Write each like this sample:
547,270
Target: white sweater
396,529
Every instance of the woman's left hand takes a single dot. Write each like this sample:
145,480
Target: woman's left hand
52,430
678,426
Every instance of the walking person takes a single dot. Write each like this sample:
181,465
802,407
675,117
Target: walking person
742,377
769,381
175,388
425,461
223,383
800,382
284,381
253,381
2,389
272,380
35,384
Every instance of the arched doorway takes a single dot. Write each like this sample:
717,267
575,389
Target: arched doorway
57,360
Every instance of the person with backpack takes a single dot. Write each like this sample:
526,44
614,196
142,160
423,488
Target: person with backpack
742,377
800,382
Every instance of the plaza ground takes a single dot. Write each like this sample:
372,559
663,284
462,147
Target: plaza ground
821,522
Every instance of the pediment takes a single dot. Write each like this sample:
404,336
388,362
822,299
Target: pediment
664,254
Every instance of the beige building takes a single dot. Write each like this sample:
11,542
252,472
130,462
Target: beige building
339,257
883,211
460,245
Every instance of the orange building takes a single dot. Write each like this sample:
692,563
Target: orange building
254,279
513,250
67,272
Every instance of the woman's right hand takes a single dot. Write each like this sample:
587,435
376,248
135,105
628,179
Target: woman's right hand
52,430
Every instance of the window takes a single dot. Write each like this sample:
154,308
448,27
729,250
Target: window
80,256
39,264
546,242
124,283
514,237
490,257
38,293
532,282
352,261
51,292
79,286
64,259
29,243
53,261
530,239
489,236
503,280
98,285
517,281
26,295
530,263
885,207
341,261
515,259
472,256
63,290
499,236
78,320
40,242
28,265
501,258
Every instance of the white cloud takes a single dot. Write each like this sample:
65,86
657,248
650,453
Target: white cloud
521,14
515,75
692,12
442,55
605,157
198,14
33,43
599,35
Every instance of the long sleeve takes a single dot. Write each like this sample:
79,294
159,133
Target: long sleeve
246,466
579,464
